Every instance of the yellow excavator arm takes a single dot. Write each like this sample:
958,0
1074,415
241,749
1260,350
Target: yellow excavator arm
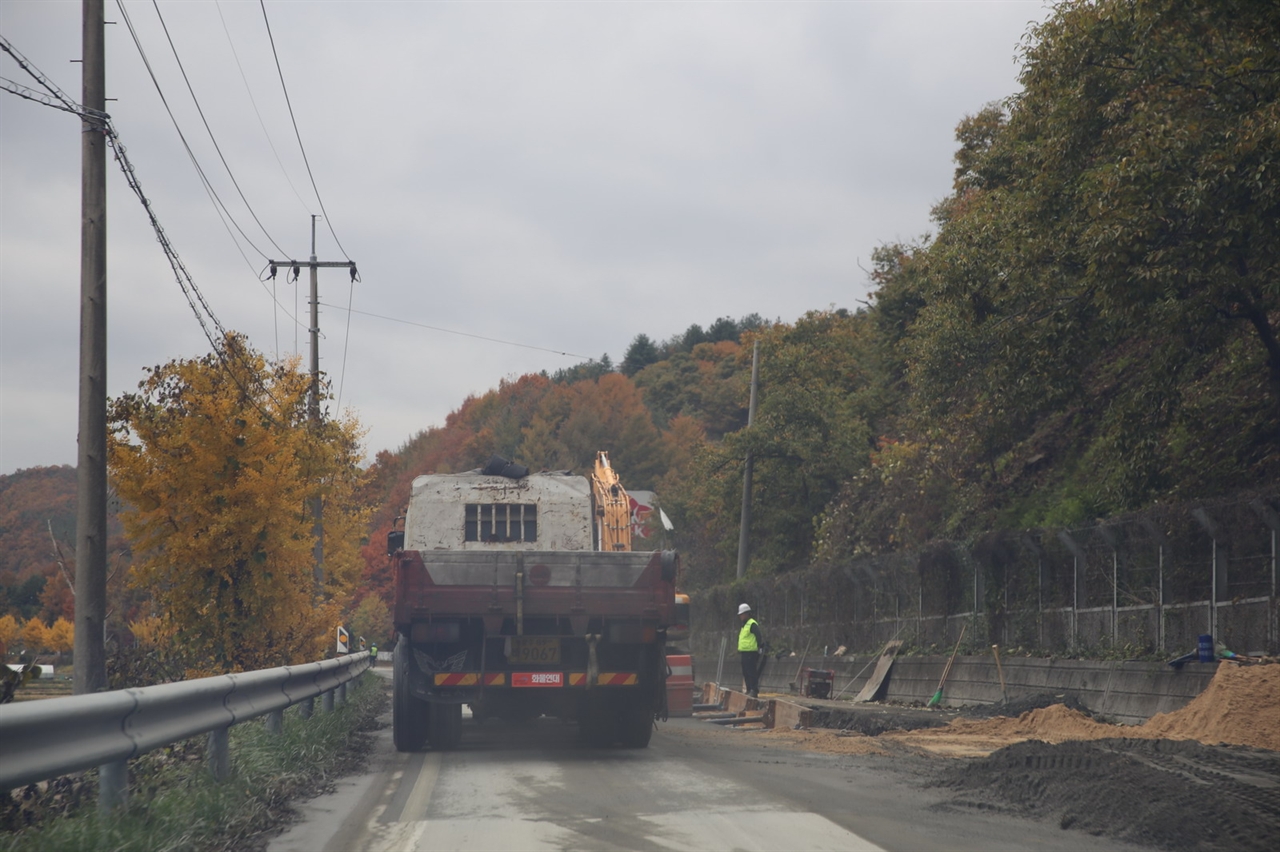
613,506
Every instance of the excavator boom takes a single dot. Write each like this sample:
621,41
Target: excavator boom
613,506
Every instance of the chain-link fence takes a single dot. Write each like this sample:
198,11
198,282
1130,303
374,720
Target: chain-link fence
1147,583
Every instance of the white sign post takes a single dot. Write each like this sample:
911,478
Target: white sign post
344,640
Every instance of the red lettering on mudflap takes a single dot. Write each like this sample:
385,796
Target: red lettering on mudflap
537,678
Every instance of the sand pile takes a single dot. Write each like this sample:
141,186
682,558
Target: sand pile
1241,706
830,741
1054,724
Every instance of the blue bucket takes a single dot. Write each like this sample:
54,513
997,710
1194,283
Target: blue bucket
1205,648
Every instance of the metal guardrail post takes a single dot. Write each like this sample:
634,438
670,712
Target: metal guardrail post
275,721
113,786
326,702
219,753
341,697
306,707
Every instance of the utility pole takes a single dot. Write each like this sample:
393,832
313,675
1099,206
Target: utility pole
313,393
90,672
744,527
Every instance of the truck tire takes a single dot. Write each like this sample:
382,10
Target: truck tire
636,727
408,715
446,726
598,722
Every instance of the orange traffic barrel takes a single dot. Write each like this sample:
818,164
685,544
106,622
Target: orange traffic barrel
680,685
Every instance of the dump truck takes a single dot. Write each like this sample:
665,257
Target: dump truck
513,596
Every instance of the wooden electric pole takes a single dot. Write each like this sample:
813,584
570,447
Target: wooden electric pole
313,393
744,526
90,671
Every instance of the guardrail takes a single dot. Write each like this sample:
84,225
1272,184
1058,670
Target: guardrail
50,737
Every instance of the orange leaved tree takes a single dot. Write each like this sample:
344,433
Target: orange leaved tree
62,637
35,637
9,632
217,461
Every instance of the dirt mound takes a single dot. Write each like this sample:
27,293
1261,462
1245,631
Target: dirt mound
874,721
1055,724
1175,795
830,742
1241,706
1017,706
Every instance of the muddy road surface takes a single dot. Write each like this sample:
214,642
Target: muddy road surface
698,787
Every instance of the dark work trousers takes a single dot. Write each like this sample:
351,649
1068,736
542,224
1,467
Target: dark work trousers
751,670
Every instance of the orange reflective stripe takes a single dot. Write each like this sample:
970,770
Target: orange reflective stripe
495,679
577,678
616,679
457,678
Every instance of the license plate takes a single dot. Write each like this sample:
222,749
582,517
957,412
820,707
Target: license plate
534,651
537,678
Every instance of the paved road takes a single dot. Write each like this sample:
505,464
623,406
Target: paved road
697,787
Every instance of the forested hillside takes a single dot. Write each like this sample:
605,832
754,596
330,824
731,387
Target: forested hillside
37,508
1090,330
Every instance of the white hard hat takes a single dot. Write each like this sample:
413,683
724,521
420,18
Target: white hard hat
744,608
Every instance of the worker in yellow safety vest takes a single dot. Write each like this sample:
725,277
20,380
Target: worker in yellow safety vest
750,642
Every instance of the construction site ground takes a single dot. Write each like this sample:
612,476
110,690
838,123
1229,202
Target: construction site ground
1206,777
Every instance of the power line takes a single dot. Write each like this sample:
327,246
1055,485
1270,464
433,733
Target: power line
249,91
101,122
453,331
207,128
224,215
32,95
298,135
204,179
66,103
346,338
185,281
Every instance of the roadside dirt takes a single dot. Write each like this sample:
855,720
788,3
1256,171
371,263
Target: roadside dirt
1241,706
1203,778
1172,794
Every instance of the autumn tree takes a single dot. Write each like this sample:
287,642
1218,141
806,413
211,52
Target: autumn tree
708,383
216,460
35,636
811,433
9,632
152,631
372,620
1093,326
61,638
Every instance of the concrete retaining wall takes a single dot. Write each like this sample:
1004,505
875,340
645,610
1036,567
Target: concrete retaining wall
1128,692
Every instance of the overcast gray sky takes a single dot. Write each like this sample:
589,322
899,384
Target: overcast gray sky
564,175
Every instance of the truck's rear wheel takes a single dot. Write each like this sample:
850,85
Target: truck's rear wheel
598,722
446,726
636,727
408,715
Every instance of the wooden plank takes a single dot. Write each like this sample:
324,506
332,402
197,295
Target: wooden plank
872,686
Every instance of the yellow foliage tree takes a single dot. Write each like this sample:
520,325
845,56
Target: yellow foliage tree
152,631
217,461
62,637
9,631
35,636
